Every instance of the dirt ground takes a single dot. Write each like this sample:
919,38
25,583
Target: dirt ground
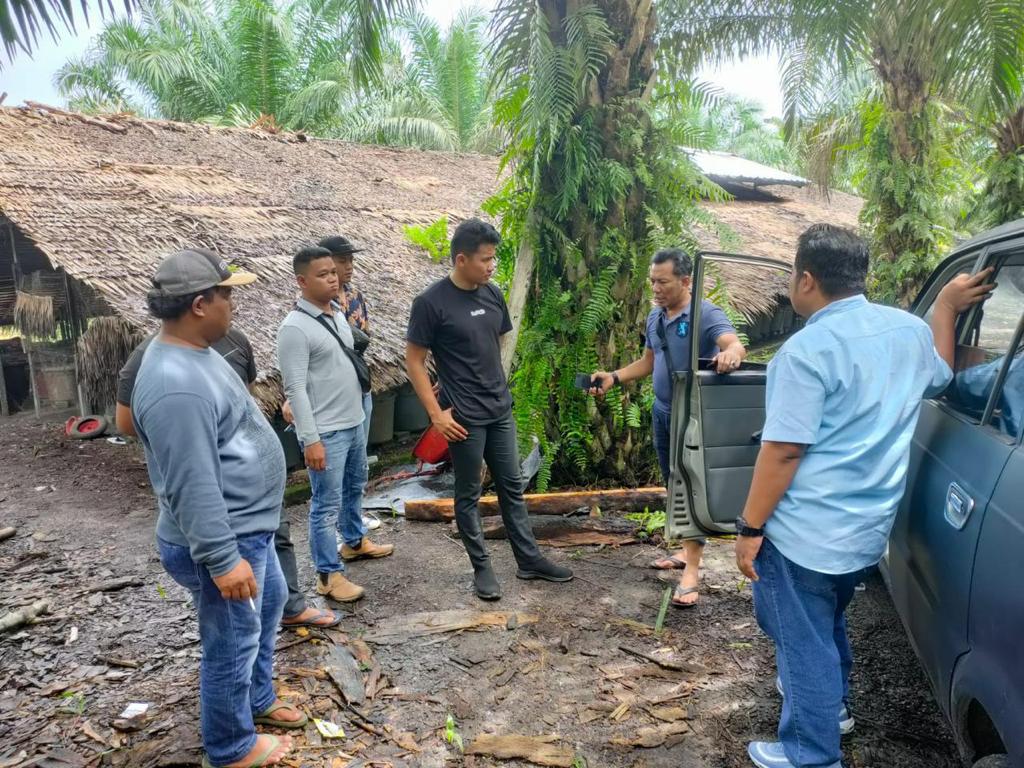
85,516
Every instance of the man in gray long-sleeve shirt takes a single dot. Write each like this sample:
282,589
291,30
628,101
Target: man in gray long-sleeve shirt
313,347
218,473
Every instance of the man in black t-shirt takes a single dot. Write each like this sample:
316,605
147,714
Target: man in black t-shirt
236,349
461,320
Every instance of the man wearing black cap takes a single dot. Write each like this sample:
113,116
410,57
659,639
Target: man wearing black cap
353,305
218,473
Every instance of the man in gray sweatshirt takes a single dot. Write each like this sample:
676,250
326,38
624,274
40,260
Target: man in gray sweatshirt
314,354
218,473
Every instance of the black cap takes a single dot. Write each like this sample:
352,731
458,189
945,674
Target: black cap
338,245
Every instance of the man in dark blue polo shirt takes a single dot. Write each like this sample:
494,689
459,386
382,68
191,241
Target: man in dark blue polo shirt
667,348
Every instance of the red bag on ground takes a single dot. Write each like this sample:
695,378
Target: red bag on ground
431,448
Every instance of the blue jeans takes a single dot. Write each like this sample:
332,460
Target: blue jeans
337,504
661,420
804,612
237,644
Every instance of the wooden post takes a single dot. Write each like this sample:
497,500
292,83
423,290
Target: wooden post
72,311
518,294
26,343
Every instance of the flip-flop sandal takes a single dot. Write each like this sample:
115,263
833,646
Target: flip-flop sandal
264,717
275,744
682,592
676,563
313,622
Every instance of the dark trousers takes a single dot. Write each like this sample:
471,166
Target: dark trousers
496,444
804,612
296,602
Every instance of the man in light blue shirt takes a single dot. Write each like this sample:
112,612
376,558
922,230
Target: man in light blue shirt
843,399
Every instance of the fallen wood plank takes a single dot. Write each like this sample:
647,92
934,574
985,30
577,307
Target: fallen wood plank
675,666
113,585
6,533
618,500
652,737
539,750
438,622
556,531
25,615
343,670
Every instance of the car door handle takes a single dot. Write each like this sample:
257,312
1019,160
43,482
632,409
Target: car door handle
958,506
756,436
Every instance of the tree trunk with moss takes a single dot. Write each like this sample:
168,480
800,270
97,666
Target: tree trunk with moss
1004,185
594,181
900,186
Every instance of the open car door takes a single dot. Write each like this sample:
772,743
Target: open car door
717,419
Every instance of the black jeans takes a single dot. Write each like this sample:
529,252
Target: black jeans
495,443
296,602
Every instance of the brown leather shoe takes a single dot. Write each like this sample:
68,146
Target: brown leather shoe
367,550
339,588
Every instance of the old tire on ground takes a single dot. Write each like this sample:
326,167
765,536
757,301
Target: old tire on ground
88,427
993,761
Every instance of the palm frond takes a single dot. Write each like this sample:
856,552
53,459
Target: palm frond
22,21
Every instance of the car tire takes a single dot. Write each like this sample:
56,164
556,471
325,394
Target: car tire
88,428
993,761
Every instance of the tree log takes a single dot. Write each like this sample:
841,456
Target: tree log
556,531
617,500
17,618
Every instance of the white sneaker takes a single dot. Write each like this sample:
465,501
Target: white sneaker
370,521
846,721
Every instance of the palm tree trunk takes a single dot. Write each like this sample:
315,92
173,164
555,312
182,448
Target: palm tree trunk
594,260
1004,187
900,180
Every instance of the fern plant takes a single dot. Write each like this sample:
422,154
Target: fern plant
596,185
432,238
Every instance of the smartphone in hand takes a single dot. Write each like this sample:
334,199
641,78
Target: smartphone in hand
585,381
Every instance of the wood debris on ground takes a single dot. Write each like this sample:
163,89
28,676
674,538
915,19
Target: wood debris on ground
539,750
401,628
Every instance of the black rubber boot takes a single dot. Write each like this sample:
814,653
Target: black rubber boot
485,583
544,569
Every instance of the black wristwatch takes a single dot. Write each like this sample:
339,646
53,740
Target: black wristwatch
743,528
615,378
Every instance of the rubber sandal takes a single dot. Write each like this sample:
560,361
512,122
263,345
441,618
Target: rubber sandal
677,563
681,592
260,761
312,623
264,717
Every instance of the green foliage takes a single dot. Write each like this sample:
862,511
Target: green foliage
451,733
432,238
330,67
906,61
596,185
437,98
650,522
22,21
73,702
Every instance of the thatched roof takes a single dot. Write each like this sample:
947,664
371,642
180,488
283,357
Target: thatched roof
768,222
106,199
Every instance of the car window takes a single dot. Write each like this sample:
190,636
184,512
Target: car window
987,341
756,299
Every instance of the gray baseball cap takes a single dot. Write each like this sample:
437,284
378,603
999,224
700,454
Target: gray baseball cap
195,270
